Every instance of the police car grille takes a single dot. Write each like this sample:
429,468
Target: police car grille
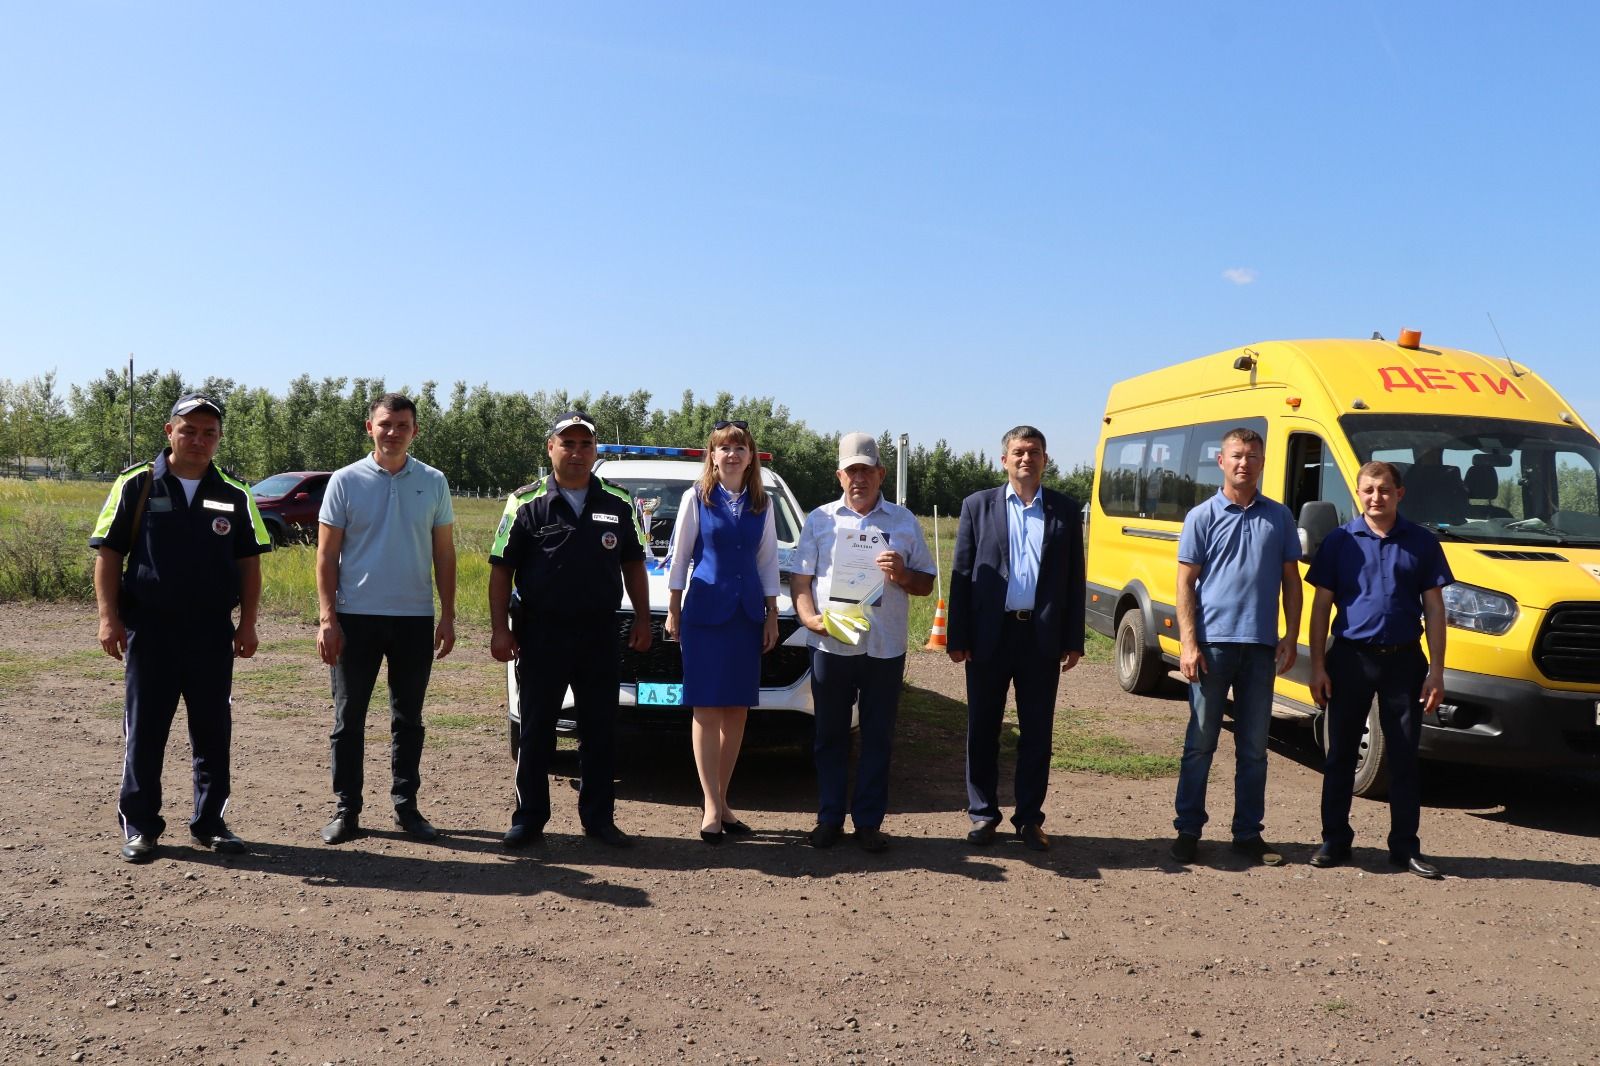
664,661
1568,648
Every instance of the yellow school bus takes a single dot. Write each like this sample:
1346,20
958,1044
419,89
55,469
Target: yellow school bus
1495,463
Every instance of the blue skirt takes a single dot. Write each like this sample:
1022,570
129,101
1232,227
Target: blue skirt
722,663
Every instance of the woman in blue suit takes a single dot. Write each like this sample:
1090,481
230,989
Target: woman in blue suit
724,609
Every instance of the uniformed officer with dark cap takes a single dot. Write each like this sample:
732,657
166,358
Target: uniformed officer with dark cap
191,538
570,543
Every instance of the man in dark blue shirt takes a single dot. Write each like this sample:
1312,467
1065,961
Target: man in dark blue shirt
571,544
178,547
1387,575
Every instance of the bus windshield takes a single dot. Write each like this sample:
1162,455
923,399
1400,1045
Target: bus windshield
1490,480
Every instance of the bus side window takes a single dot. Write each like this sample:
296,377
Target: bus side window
1311,474
1168,494
1207,474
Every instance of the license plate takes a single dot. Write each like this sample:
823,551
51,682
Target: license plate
659,694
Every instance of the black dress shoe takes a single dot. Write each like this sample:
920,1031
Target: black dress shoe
609,834
414,825
982,834
222,841
521,836
712,836
824,835
1330,855
872,840
1259,850
139,848
1185,847
1416,864
1034,837
346,825
736,828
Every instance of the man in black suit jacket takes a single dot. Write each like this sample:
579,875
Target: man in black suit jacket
1016,618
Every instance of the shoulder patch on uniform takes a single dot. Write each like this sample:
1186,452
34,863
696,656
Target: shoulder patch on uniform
532,488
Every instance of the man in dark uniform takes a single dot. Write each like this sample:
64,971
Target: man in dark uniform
191,537
1387,575
570,542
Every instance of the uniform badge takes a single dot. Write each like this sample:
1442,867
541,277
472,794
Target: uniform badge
608,539
221,526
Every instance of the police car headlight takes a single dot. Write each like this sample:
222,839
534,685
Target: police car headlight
1470,607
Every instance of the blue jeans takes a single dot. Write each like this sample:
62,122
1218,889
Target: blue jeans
1249,669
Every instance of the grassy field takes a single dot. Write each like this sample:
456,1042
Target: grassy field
47,525
44,529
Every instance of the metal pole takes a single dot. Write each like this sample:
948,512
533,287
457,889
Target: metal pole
131,459
938,568
900,470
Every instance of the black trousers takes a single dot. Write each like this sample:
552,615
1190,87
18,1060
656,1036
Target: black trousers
1395,678
167,660
840,683
407,644
559,651
1036,678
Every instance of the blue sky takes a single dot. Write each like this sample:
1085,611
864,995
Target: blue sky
937,219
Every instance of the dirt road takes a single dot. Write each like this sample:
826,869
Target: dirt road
1101,951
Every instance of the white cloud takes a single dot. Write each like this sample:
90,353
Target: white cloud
1241,275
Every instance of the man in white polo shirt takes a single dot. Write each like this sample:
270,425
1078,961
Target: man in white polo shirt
865,665
386,525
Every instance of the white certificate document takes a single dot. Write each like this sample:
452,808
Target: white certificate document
854,580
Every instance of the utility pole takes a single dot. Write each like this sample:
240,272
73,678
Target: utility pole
131,459
900,469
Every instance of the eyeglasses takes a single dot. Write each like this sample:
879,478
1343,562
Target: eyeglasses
737,423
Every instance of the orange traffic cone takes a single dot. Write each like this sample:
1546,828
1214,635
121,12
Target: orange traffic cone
936,639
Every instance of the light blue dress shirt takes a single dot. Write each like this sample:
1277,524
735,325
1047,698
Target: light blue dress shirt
890,616
1025,531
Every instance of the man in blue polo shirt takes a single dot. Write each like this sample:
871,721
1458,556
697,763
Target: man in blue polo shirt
1238,553
385,528
1387,575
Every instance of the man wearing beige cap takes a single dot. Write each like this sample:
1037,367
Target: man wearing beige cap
862,653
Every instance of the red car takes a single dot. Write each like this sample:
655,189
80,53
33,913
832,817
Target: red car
289,504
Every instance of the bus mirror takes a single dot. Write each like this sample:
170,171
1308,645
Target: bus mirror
1318,518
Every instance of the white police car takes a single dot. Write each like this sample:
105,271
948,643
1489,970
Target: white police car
651,692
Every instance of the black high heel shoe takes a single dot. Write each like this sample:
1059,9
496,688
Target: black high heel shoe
736,828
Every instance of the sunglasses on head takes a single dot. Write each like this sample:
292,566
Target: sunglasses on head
737,423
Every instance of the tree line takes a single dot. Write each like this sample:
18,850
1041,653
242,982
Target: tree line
481,438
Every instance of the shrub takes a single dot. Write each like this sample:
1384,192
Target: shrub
43,558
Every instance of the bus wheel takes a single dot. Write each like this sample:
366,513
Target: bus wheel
1372,761
1139,665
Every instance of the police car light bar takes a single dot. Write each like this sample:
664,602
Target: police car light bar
662,453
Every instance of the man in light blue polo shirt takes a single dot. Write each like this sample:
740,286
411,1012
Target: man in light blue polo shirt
1238,552
870,670
385,539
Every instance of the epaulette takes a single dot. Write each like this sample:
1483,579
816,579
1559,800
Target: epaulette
529,487
135,468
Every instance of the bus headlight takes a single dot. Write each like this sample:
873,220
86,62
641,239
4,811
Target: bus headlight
1471,607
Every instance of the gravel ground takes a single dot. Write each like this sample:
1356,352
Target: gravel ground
764,950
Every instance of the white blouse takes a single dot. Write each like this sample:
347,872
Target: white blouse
687,532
